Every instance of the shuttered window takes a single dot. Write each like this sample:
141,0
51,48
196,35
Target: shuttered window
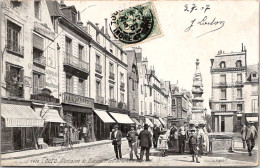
38,42
38,82
69,84
81,87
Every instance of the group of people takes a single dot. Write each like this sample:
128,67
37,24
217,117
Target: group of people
249,135
146,137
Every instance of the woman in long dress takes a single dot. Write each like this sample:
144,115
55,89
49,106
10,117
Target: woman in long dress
163,142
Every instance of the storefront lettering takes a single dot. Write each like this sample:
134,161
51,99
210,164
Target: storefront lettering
44,30
75,99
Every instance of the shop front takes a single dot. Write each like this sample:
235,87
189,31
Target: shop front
18,127
123,120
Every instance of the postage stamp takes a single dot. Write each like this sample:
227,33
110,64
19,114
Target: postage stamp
135,24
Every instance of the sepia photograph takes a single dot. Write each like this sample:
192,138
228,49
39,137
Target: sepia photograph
129,83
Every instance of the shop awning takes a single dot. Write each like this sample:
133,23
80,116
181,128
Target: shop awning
20,116
162,121
149,122
122,118
102,114
157,122
52,115
254,119
136,122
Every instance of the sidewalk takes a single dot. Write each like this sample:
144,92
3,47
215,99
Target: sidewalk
49,150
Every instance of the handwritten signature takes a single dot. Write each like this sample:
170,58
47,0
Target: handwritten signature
205,22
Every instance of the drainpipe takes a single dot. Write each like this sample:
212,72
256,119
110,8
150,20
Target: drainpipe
89,89
105,79
117,83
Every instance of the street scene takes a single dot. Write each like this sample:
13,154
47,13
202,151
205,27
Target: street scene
129,83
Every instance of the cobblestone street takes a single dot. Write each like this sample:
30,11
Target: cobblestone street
103,155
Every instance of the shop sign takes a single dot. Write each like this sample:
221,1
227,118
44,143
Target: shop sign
45,96
76,99
44,30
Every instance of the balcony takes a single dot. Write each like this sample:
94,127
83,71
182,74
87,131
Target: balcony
98,68
14,47
111,75
239,83
73,64
99,100
112,103
77,99
40,60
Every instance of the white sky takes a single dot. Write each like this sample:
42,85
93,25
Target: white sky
174,54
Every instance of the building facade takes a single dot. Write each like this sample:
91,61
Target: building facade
228,72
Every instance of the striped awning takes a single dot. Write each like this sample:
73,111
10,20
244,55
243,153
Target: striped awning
136,122
20,116
162,121
49,114
103,115
149,122
122,118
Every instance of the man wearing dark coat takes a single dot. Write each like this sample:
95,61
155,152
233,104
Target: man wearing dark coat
156,134
251,134
145,138
116,137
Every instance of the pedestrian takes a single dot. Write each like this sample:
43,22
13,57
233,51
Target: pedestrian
206,140
145,138
251,134
116,137
194,143
243,135
139,129
163,142
182,138
156,133
173,134
132,141
199,138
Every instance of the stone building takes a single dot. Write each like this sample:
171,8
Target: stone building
251,96
228,72
29,75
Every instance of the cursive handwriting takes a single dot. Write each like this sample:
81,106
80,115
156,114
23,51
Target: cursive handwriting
194,7
205,22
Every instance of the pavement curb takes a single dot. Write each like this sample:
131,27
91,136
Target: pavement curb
59,150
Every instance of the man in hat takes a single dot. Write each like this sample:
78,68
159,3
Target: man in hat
116,137
139,129
251,134
145,138
194,145
156,134
132,141
182,137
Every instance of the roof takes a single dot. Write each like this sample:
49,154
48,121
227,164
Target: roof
53,7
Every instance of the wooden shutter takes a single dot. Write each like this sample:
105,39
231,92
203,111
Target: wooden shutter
21,72
38,42
41,82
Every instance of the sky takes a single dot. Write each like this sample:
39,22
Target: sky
174,54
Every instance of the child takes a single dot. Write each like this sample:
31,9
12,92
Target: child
194,143
163,142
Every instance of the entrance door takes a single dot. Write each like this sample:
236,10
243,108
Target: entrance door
239,124
29,142
17,134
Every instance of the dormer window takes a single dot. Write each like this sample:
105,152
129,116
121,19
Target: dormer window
254,75
73,17
239,63
222,64
98,37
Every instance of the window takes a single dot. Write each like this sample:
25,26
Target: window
14,80
37,4
38,47
98,37
98,59
111,47
80,49
239,78
122,97
239,93
254,75
13,38
239,63
222,124
69,84
111,67
145,107
122,77
223,93
98,88
68,45
122,56
38,82
223,79
73,17
223,107
239,107
15,3
254,106
81,87
222,64
111,92
55,24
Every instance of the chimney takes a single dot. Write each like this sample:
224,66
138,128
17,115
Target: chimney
62,3
79,22
242,47
106,30
211,60
97,25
